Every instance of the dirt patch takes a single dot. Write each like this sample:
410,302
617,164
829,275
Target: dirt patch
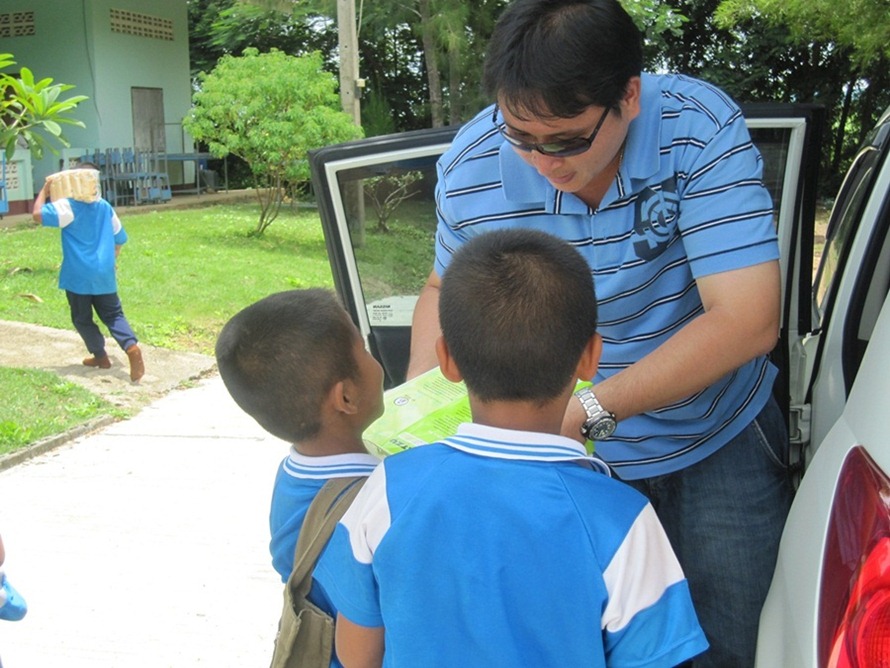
61,352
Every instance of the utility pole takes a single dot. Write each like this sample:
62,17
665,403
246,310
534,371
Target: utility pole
347,37
350,91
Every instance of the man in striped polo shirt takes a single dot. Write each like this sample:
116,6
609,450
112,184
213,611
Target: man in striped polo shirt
655,180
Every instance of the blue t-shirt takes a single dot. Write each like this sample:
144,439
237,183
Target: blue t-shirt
298,480
90,231
512,549
688,201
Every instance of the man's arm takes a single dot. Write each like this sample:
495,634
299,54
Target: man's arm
39,201
358,646
740,322
425,328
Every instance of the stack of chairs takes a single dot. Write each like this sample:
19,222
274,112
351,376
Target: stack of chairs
130,177
153,184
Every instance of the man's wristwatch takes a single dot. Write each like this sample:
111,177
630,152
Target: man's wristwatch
600,423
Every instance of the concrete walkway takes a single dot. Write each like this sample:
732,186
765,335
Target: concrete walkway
145,544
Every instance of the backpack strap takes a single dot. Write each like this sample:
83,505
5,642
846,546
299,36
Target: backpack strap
324,512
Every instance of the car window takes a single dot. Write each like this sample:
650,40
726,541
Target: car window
773,146
392,232
841,228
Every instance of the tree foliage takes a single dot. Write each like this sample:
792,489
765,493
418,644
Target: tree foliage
437,47
220,27
33,111
386,193
834,54
863,26
422,59
269,109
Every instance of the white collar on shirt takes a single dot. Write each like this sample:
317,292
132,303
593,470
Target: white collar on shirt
488,441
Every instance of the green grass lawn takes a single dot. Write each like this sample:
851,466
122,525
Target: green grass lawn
38,404
182,275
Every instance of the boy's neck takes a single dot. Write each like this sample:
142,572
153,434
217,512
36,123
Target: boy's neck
326,445
521,415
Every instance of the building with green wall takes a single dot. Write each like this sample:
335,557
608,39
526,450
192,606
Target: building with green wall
129,57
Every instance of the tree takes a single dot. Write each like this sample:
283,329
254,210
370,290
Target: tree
388,192
31,110
219,27
449,44
269,109
850,43
862,25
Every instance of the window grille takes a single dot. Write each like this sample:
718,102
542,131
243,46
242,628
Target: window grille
141,25
17,24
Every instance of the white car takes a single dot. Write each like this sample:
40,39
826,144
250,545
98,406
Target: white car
829,604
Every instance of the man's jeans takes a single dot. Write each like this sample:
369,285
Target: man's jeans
724,517
111,313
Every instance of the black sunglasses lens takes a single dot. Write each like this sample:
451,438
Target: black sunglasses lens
555,149
521,145
565,149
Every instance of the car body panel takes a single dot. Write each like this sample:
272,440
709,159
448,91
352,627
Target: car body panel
789,623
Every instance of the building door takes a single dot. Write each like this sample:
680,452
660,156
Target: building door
148,119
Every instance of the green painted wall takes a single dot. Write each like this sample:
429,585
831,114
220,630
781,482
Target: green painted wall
74,43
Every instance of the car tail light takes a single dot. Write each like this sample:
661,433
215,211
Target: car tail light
854,600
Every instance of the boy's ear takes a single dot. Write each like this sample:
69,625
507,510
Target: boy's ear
446,362
343,397
590,358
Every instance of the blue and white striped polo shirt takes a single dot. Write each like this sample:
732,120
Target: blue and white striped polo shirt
688,201
505,548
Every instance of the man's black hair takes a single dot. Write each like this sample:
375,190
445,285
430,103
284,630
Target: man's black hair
280,356
517,308
555,58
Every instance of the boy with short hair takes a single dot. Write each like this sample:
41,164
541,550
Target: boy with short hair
296,363
92,237
507,545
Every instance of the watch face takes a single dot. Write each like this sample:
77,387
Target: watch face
602,428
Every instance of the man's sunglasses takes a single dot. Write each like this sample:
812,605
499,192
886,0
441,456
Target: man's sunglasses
555,149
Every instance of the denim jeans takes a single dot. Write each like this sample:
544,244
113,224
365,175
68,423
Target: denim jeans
111,313
724,517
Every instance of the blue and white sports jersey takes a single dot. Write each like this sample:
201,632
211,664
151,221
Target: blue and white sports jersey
512,549
298,480
688,201
90,231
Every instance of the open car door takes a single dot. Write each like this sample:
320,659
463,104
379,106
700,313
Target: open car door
352,182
